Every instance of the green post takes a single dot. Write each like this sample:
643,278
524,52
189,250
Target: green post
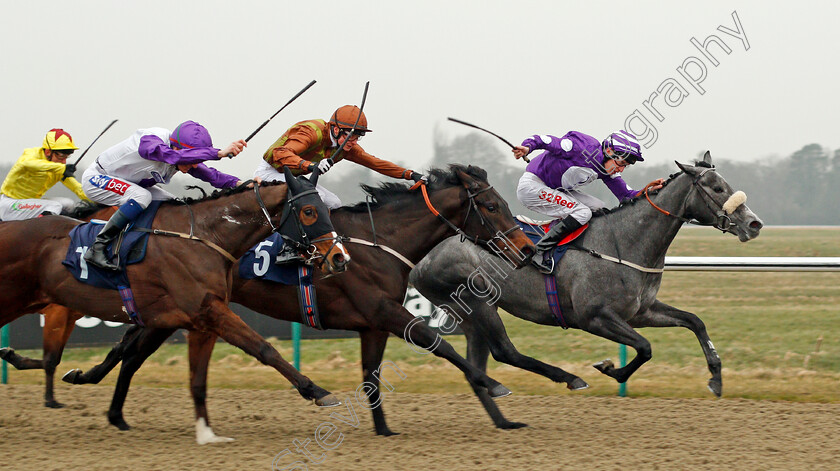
296,345
622,360
4,342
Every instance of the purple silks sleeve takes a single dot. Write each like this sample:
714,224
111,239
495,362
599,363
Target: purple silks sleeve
213,176
153,148
536,142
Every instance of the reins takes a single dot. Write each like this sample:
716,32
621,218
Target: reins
488,225
723,221
722,224
308,247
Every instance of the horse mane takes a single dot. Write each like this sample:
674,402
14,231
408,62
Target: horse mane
219,193
633,200
388,192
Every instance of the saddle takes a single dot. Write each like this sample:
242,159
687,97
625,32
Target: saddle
535,230
131,245
131,248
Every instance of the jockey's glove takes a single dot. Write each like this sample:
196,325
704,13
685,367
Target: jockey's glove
324,165
69,171
418,177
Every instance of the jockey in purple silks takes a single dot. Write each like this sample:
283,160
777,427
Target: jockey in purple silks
552,180
127,174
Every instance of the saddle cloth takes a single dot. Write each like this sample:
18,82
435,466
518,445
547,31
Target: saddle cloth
132,250
258,263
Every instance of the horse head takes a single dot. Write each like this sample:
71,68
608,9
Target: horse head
715,203
305,224
486,217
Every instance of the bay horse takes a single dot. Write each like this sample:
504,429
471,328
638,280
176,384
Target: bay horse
597,294
180,283
368,297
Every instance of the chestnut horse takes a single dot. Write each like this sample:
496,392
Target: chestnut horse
368,298
180,283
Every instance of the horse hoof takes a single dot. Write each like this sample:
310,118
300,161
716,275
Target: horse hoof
508,425
53,404
386,433
213,439
204,434
71,376
119,422
499,391
327,401
577,384
716,387
604,366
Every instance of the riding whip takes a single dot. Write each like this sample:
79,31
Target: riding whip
276,113
94,142
525,158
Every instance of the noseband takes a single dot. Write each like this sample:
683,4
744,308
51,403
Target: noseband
723,222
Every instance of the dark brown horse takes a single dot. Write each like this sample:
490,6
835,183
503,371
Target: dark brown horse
368,297
181,283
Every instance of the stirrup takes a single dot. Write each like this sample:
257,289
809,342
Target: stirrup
545,266
288,256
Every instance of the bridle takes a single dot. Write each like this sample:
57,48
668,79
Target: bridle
301,244
723,222
499,237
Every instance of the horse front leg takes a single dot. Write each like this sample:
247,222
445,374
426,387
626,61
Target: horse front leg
97,373
200,350
138,349
216,316
663,315
477,354
58,325
610,326
397,320
373,348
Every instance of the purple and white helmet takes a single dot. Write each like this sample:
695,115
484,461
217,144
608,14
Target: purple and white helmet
623,146
189,135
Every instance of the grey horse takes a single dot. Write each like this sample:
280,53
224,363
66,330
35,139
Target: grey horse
607,286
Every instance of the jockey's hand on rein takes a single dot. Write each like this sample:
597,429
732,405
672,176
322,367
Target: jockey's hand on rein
324,165
69,171
417,177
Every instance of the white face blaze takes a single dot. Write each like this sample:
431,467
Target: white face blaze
340,247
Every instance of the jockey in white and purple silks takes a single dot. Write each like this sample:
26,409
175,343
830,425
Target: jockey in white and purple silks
126,175
551,181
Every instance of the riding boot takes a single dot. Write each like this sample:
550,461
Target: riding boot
544,256
123,217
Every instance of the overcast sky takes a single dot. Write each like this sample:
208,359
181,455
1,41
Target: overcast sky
516,68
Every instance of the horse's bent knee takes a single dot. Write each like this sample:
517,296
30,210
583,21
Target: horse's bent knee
266,354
